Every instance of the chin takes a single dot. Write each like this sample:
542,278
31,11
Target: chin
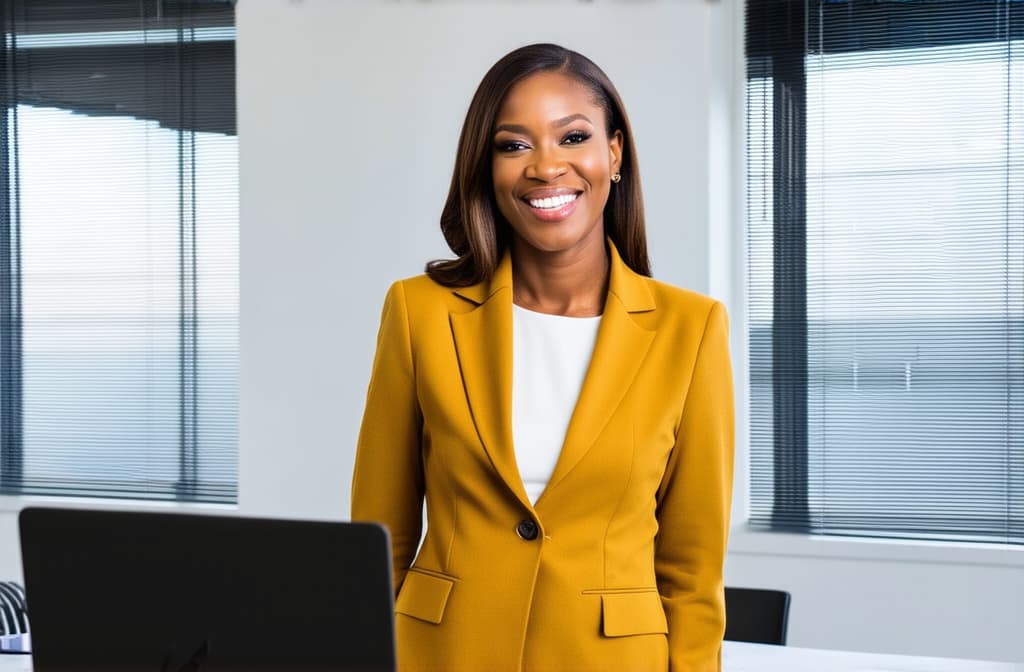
553,244
555,237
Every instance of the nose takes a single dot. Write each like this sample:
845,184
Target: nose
547,165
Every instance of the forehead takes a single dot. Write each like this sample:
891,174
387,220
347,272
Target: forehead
547,96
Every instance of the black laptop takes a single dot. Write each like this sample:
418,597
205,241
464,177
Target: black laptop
171,592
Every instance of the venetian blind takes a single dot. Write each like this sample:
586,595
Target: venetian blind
119,249
886,267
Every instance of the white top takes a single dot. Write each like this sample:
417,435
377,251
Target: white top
550,356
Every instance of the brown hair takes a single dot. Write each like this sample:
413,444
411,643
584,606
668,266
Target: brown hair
471,222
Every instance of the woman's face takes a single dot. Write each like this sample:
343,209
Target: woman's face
552,163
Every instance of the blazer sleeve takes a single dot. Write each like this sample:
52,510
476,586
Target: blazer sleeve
694,502
387,484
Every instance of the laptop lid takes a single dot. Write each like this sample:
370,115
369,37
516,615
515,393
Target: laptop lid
173,592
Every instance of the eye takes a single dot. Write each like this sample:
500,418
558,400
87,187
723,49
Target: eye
576,137
510,145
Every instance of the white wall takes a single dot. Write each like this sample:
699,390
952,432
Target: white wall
900,597
348,119
357,109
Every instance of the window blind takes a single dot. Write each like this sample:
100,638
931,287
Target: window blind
886,267
119,249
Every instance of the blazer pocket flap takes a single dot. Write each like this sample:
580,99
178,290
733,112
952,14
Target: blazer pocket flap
423,596
639,613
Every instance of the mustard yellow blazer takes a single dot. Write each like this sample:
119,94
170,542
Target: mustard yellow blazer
618,566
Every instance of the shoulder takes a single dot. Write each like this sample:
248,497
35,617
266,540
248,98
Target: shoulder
641,294
420,297
417,284
416,310
684,308
678,298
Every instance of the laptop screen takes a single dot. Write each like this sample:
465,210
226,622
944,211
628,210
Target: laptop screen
172,592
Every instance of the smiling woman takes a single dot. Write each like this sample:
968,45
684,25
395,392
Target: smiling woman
567,419
471,222
554,161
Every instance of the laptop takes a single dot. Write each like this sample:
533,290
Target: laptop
173,592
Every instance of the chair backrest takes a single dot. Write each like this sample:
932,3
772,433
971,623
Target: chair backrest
14,637
756,615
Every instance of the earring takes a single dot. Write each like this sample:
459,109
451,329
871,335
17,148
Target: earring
616,178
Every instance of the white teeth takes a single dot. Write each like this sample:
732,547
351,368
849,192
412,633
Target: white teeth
552,202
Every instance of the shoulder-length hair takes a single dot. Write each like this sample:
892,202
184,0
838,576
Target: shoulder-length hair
471,222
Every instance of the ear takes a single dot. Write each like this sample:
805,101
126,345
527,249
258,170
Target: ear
615,143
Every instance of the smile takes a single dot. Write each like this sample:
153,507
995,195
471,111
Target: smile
554,205
552,202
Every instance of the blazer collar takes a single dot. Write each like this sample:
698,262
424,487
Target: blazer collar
483,341
629,287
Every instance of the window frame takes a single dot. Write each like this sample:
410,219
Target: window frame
185,117
791,530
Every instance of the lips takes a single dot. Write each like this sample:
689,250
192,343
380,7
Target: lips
551,205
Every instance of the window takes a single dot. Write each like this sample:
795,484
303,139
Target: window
118,249
886,267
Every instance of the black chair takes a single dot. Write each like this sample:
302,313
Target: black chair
13,618
756,615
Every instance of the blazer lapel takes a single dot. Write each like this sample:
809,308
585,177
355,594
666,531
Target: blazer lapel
621,347
483,343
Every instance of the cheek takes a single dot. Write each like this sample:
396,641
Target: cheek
503,178
596,168
601,193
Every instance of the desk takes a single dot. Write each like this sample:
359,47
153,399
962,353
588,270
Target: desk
741,657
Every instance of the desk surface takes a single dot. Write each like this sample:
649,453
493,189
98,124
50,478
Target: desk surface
741,657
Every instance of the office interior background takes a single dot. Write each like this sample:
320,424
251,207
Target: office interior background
348,115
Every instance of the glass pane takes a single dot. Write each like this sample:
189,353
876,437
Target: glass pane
100,253
913,303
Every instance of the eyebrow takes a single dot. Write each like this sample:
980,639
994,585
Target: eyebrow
557,123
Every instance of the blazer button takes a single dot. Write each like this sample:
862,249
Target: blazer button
527,530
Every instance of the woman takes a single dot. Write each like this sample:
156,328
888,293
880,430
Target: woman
568,419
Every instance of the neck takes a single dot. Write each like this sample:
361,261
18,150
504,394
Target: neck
572,283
